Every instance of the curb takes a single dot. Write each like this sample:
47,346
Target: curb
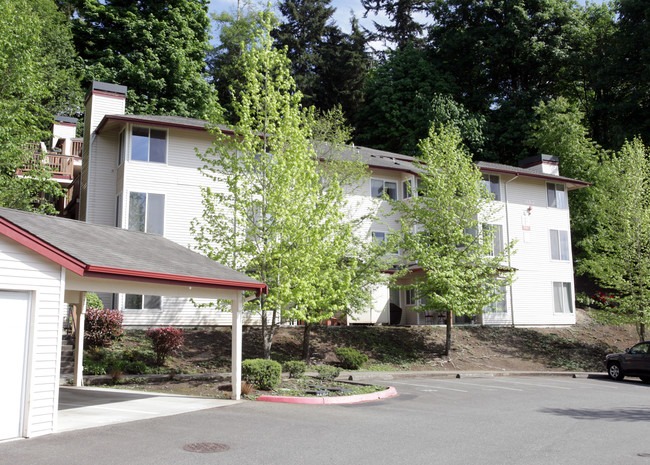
388,375
390,392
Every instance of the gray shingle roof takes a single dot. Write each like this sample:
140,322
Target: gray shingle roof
517,171
115,248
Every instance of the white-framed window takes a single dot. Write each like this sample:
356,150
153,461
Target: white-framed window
381,237
142,302
492,185
120,148
407,189
497,238
556,195
562,298
410,297
499,306
379,187
560,249
149,145
118,211
147,212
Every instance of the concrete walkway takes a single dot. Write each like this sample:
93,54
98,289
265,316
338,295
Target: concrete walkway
87,407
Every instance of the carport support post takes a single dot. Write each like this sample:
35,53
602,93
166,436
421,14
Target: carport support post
236,308
79,341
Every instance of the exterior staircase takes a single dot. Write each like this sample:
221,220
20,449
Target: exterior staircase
67,358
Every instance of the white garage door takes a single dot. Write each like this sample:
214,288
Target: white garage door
14,315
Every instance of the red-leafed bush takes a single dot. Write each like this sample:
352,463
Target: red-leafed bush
102,327
165,341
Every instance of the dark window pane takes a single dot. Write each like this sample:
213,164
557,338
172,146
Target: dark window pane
152,302
158,150
133,302
140,144
376,188
391,189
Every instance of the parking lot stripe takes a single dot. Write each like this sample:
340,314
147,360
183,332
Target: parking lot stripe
532,384
428,386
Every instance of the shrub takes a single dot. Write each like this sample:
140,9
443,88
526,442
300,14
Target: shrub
327,372
102,327
93,301
94,367
265,374
351,359
165,341
296,368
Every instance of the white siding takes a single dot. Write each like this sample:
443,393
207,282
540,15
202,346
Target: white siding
22,269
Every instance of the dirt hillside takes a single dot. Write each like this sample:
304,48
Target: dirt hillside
577,348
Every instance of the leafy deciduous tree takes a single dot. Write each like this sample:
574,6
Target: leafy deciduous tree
618,250
276,220
24,90
155,48
458,269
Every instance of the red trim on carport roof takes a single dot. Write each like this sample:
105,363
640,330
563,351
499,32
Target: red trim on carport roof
41,247
164,278
59,257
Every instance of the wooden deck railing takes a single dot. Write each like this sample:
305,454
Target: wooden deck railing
60,165
77,146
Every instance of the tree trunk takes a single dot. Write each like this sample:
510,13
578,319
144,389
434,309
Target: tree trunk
640,328
306,343
448,339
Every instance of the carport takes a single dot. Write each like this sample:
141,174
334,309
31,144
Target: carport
47,263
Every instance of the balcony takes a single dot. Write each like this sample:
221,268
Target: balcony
61,166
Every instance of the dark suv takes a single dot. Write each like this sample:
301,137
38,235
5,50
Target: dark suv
634,362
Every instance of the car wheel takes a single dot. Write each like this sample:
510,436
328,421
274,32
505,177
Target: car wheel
614,371
645,379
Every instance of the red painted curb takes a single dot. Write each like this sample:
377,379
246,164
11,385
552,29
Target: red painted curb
390,392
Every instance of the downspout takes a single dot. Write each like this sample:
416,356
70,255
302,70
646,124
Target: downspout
512,301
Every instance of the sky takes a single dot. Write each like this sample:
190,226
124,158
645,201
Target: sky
344,11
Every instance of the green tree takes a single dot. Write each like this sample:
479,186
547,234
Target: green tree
155,48
398,96
328,65
560,130
458,270
276,220
24,91
618,250
236,31
505,56
403,29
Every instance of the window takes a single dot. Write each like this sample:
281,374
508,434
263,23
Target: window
562,300
491,183
499,306
497,238
143,302
149,145
395,297
559,245
407,189
379,187
556,195
118,212
120,149
379,237
410,297
147,212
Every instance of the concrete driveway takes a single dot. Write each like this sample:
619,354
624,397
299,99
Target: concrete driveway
87,407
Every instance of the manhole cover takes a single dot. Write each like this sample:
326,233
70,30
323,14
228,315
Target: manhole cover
205,447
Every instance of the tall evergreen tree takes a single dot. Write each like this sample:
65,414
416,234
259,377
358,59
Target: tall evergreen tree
506,56
328,65
403,29
155,48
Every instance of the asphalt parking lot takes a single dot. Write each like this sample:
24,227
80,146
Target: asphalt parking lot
500,420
